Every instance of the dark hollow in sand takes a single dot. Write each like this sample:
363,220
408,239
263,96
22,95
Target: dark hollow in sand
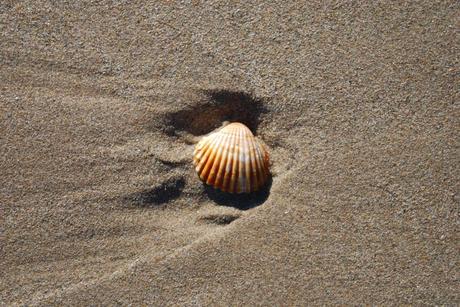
220,106
243,201
165,192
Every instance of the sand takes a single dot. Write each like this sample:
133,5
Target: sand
101,103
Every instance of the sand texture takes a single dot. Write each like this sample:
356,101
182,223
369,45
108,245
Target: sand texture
101,103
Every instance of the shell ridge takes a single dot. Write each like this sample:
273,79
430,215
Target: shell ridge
210,162
249,172
235,165
218,160
254,179
207,159
210,165
241,174
226,185
219,183
243,182
201,148
242,162
205,156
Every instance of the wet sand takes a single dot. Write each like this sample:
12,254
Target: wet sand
101,103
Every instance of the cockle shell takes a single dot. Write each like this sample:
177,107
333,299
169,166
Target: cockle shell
232,160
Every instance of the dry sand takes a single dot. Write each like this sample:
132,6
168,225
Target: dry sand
101,101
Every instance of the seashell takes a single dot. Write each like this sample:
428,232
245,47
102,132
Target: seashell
232,159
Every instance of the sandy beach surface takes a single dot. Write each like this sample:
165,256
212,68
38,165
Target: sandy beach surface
101,103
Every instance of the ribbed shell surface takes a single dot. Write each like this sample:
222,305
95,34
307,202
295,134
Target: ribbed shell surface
232,160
